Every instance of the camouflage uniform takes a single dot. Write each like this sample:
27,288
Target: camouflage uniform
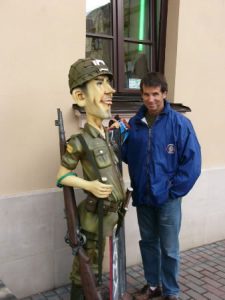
107,163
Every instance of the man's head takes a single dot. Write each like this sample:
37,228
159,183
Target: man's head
154,79
154,89
89,82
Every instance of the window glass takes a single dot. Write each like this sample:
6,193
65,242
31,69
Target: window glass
136,19
137,58
98,16
99,48
125,34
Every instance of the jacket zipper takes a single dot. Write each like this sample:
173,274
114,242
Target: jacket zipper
149,158
148,162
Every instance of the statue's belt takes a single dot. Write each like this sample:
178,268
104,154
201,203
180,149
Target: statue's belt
108,206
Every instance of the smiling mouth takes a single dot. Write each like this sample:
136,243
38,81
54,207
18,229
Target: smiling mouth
107,101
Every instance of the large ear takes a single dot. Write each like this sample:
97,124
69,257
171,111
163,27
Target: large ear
79,97
165,95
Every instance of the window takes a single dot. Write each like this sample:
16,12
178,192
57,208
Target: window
129,35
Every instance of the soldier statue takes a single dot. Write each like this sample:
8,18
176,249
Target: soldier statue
89,83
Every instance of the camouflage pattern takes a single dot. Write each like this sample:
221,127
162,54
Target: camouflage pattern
84,70
107,163
91,249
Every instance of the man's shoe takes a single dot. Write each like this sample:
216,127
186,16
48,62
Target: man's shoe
146,293
171,297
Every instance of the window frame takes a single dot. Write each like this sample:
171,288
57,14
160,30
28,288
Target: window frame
117,37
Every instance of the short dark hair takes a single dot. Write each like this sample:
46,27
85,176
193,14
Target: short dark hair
154,79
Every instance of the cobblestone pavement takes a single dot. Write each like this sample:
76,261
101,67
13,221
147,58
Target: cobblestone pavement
202,276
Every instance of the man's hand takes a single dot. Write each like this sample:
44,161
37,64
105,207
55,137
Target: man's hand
99,189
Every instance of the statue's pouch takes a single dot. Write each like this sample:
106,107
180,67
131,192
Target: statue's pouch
91,204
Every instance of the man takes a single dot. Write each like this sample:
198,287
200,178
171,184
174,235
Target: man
164,161
89,82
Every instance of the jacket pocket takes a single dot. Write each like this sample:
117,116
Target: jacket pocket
102,157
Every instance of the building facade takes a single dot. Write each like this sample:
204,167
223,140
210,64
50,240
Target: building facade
39,42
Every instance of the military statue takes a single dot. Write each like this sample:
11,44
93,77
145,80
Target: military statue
89,83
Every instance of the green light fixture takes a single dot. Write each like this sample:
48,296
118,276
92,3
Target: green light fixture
141,24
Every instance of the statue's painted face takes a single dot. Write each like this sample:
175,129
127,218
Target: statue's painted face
99,95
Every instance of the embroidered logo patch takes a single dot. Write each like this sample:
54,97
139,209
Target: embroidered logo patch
171,149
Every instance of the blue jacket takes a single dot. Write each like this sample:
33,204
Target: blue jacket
164,161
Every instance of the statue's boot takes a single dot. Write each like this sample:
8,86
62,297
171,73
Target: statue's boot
77,292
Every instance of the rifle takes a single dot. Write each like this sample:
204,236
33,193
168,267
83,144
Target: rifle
74,237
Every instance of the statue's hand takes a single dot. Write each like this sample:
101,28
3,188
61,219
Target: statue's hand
99,189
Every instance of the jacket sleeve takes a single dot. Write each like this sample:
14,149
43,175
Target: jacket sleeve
124,150
189,162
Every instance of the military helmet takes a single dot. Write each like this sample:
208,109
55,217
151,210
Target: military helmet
86,69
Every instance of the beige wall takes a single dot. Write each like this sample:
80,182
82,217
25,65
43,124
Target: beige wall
199,72
39,41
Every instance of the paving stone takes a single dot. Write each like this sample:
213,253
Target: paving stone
211,275
196,288
210,268
195,296
38,297
215,291
194,273
65,296
222,281
212,296
55,297
184,296
212,263
61,291
49,294
213,283
194,280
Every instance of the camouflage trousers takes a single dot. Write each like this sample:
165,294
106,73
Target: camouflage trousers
91,249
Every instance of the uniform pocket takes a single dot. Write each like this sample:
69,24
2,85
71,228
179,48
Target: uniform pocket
102,157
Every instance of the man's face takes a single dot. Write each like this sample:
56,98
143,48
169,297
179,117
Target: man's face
99,97
153,99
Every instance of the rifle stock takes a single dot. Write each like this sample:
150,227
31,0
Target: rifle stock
74,238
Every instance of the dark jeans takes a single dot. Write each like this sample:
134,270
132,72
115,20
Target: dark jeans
159,244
